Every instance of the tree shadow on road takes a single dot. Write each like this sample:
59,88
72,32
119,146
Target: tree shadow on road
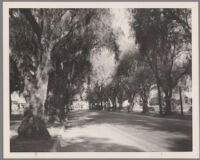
89,144
177,133
180,144
149,123
25,145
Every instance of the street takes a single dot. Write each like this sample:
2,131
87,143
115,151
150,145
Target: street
123,132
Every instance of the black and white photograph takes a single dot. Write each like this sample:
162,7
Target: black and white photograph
87,79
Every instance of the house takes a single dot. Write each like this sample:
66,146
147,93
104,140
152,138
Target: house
175,100
79,104
17,103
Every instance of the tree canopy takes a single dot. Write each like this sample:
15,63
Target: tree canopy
164,38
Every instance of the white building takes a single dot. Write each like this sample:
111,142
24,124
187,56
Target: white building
17,103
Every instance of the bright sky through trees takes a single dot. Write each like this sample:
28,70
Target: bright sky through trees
103,62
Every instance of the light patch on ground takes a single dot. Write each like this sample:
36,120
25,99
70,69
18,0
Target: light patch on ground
84,136
117,135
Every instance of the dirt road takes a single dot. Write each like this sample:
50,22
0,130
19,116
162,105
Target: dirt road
123,132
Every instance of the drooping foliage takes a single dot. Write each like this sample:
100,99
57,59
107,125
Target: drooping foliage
52,48
164,38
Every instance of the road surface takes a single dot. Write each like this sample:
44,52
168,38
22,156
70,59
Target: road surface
123,132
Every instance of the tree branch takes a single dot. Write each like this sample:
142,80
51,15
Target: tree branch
186,71
35,26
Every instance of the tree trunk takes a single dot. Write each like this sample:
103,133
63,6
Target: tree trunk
33,125
145,106
101,104
143,95
159,99
131,101
104,106
181,103
130,107
168,109
114,105
120,104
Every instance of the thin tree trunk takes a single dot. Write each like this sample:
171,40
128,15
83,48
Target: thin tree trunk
120,104
131,101
159,99
145,107
130,107
168,102
181,103
114,105
101,104
104,106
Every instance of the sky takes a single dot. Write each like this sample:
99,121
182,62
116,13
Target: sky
121,22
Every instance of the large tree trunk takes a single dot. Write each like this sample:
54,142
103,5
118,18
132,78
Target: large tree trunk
33,127
33,124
